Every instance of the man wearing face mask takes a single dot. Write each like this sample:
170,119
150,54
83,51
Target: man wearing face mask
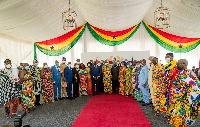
143,82
9,89
47,85
128,79
63,81
186,96
56,76
115,75
68,77
106,70
35,73
169,70
27,81
95,72
76,80
157,84
138,93
150,79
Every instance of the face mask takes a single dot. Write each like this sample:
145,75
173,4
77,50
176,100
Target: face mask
45,66
137,66
64,62
141,64
77,66
78,62
36,64
117,62
88,65
99,64
8,66
57,64
106,63
115,65
149,61
21,67
127,65
111,64
69,65
167,60
27,67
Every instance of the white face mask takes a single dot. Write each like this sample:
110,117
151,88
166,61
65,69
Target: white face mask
149,61
88,65
99,64
77,66
45,66
106,63
64,62
21,67
117,62
127,65
78,62
69,65
8,66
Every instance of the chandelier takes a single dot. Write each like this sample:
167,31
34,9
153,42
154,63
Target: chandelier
162,17
69,18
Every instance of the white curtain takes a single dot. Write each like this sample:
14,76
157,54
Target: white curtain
140,41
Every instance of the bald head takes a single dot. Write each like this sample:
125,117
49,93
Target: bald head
182,64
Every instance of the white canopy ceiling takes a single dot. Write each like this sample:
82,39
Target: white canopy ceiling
39,20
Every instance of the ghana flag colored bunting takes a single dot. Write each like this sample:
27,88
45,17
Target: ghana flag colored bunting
172,42
61,44
112,38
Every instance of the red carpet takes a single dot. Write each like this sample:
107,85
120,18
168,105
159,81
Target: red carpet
111,111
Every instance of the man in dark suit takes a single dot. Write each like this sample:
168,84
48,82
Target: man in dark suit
95,72
115,75
69,76
76,80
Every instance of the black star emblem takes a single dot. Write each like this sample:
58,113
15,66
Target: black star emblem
180,46
114,37
52,48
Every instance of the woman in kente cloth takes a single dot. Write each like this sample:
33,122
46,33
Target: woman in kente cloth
186,96
138,93
89,80
107,78
122,70
83,80
28,96
47,85
128,79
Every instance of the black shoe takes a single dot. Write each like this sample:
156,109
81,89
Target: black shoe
56,99
60,98
97,94
145,104
93,94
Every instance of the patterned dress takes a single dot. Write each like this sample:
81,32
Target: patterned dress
47,86
8,88
157,85
35,73
128,79
107,79
89,81
138,93
28,96
122,80
83,82
167,97
186,99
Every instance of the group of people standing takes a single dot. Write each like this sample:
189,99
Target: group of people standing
171,88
